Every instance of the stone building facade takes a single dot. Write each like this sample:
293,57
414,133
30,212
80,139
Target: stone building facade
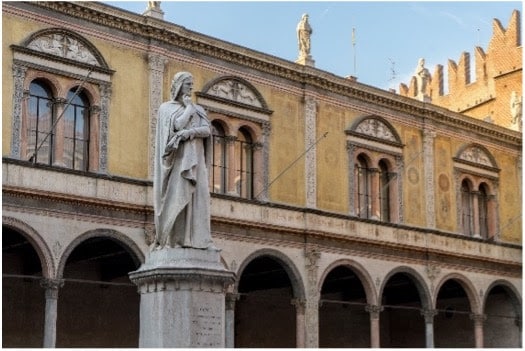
488,88
351,216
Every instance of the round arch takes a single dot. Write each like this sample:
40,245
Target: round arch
509,288
37,242
360,271
128,244
466,284
287,264
417,279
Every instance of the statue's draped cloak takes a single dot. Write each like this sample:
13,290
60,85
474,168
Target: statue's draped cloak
180,184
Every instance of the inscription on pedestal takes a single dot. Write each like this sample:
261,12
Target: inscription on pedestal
206,326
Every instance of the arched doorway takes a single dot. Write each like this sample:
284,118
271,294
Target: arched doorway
453,326
264,314
98,305
23,300
343,320
502,328
401,321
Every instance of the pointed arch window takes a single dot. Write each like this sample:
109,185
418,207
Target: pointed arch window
40,119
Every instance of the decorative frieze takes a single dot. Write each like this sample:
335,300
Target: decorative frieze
156,65
310,118
63,45
19,94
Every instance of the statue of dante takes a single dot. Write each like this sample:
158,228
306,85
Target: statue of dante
303,36
180,184
422,78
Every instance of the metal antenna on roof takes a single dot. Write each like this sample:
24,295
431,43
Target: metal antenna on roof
77,91
355,55
392,70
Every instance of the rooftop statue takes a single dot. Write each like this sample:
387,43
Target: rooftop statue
422,79
304,31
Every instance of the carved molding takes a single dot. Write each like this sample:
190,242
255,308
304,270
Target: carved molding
310,117
156,65
19,75
428,161
174,35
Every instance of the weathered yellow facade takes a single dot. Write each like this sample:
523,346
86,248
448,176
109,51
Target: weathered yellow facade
309,134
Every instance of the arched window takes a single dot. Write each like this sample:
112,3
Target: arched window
76,131
363,190
384,190
75,136
483,198
375,158
244,164
466,208
219,160
40,120
477,174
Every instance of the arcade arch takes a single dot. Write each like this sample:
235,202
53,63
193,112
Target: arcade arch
268,287
345,293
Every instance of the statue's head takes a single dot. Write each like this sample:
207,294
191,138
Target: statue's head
177,81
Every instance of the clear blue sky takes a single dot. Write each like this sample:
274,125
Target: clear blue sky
390,36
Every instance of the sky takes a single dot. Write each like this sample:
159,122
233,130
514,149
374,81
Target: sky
390,36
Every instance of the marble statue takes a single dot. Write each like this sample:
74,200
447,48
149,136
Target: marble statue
304,31
180,184
153,4
515,110
422,78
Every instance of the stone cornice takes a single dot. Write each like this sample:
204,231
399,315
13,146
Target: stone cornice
154,30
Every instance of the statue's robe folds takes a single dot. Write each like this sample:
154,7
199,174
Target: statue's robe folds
180,184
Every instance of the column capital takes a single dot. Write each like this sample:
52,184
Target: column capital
300,304
51,286
228,139
231,299
374,310
478,318
429,315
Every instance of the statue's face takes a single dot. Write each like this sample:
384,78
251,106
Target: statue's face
186,87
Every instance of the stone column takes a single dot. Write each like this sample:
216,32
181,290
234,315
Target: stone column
231,299
475,214
56,134
300,327
51,287
230,163
183,295
428,160
375,331
478,320
375,192
311,312
429,327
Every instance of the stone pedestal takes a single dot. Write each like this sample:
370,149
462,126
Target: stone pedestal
305,60
182,298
